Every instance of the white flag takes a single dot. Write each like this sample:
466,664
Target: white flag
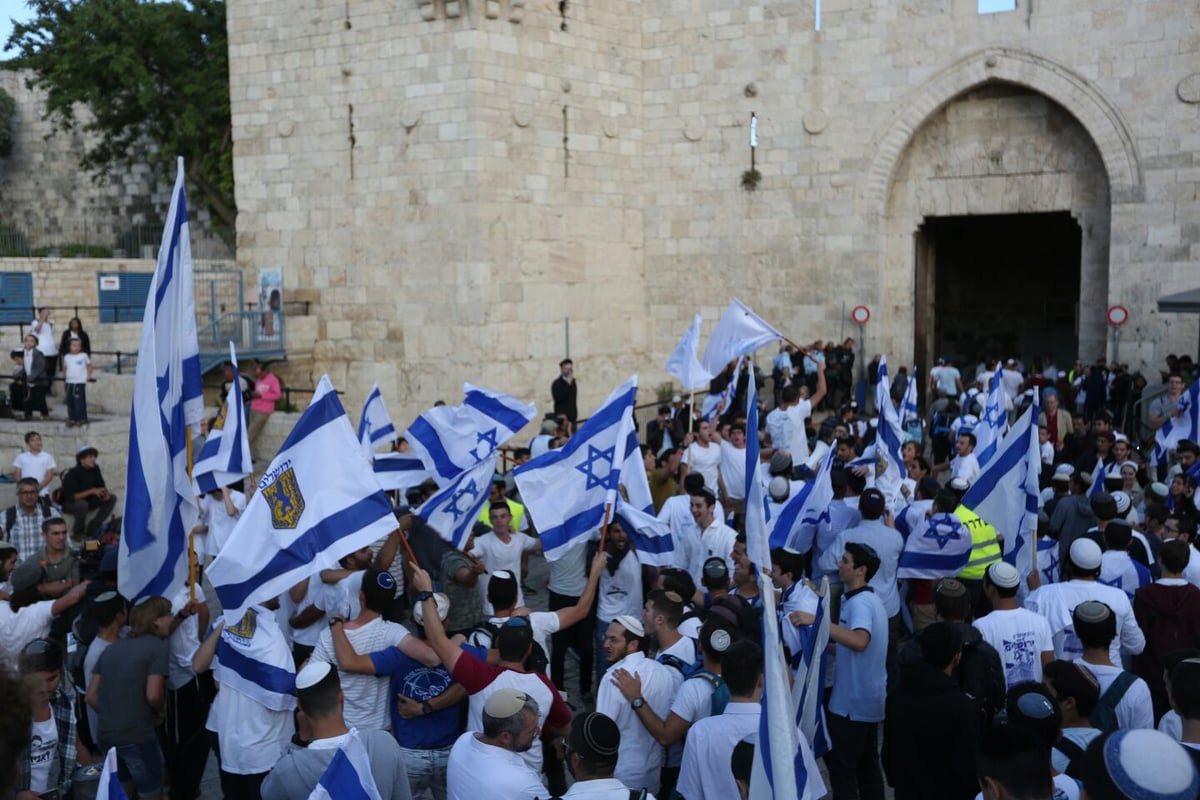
739,332
682,363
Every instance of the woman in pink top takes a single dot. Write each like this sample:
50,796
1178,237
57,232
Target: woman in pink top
262,403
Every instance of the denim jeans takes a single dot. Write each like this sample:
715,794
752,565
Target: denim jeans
427,769
142,764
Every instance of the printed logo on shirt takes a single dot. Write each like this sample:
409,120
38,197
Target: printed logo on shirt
1020,654
40,753
424,683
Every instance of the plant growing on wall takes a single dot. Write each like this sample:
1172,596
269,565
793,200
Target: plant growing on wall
8,115
154,78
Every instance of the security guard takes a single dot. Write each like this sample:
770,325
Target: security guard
986,549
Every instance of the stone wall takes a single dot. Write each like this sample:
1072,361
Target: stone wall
410,165
47,197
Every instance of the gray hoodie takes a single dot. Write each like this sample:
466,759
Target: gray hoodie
299,770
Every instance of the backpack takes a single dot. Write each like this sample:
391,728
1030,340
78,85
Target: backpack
1074,754
1104,715
10,515
678,663
942,421
485,634
720,695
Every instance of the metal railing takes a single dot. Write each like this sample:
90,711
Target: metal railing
116,239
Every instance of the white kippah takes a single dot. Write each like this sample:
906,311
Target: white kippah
1004,575
631,624
313,673
1149,764
503,575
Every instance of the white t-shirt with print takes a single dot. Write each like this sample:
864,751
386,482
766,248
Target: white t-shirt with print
1020,637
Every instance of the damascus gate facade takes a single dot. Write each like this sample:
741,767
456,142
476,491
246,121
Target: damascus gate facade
464,189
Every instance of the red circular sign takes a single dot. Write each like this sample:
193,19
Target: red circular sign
860,314
1118,315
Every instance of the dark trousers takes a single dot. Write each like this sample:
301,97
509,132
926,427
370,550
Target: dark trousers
79,509
240,787
186,741
36,401
853,763
77,402
579,635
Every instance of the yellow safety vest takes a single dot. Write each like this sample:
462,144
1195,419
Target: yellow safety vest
516,509
985,545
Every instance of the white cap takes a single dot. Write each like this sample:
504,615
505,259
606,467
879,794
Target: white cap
312,674
631,624
778,488
503,575
1085,553
443,608
1004,575
1064,469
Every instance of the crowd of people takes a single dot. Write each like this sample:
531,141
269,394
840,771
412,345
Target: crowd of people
1082,675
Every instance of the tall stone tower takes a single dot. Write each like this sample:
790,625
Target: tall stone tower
452,181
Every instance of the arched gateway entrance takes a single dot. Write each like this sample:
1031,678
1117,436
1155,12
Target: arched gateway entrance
994,187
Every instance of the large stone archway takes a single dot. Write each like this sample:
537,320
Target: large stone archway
1000,132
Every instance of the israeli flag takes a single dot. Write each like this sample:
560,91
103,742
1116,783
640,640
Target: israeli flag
990,429
568,490
939,547
400,471
682,363
253,658
451,439
888,442
808,690
633,477
375,426
796,523
348,776
650,538
1185,425
1097,486
783,763
168,405
225,457
715,404
739,332
318,501
452,511
908,406
1006,492
109,786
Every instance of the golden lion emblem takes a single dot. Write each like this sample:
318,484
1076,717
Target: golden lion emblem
286,502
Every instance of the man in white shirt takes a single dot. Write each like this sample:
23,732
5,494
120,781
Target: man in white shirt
35,463
1011,378
733,467
716,538
676,514
1096,627
702,456
705,773
488,763
640,757
965,465
367,695
945,378
1021,637
1056,601
501,549
592,751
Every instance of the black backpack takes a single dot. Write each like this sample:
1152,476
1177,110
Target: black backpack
10,515
536,661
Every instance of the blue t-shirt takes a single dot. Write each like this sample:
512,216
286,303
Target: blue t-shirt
418,682
860,679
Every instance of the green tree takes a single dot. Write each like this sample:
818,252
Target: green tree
154,78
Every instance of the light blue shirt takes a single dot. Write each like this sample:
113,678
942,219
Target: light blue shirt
887,543
842,515
860,679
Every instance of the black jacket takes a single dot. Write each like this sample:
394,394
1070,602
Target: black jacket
980,673
929,737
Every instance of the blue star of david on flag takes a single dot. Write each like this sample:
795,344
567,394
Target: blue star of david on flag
469,491
597,456
941,531
1049,569
488,438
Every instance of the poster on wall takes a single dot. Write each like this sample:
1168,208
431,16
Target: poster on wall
270,301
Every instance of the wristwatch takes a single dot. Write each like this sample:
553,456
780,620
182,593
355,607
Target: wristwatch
426,708
637,703
335,620
423,596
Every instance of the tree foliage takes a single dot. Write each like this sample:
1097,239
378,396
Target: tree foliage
154,78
